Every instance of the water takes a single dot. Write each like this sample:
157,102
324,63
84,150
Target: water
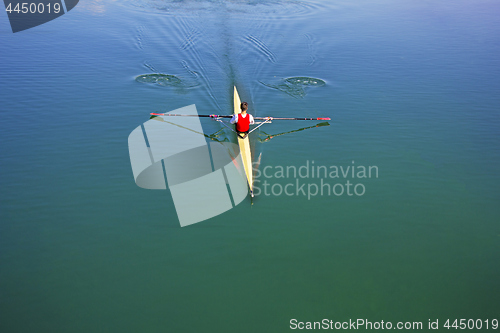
411,88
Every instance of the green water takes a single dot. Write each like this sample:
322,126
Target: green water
411,87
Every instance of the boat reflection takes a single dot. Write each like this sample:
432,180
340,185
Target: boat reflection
265,137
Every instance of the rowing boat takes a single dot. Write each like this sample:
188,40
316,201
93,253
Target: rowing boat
243,141
244,144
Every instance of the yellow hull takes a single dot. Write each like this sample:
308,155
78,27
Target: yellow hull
244,144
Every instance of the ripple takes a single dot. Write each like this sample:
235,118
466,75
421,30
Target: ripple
160,79
305,81
294,86
254,8
165,80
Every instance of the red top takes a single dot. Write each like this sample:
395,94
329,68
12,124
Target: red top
243,124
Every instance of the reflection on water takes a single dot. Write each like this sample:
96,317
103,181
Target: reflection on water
264,137
294,86
218,136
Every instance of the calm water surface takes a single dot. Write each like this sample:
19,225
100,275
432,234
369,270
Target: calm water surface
411,87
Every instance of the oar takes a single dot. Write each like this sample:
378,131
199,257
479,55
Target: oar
218,116
272,118
190,115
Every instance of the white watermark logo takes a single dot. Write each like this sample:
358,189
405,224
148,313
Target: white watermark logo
312,180
205,180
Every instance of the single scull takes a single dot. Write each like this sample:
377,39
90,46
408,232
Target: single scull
243,142
219,116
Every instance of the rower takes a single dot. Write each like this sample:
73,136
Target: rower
243,121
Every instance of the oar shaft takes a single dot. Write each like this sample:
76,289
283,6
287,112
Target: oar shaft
217,116
272,118
190,115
